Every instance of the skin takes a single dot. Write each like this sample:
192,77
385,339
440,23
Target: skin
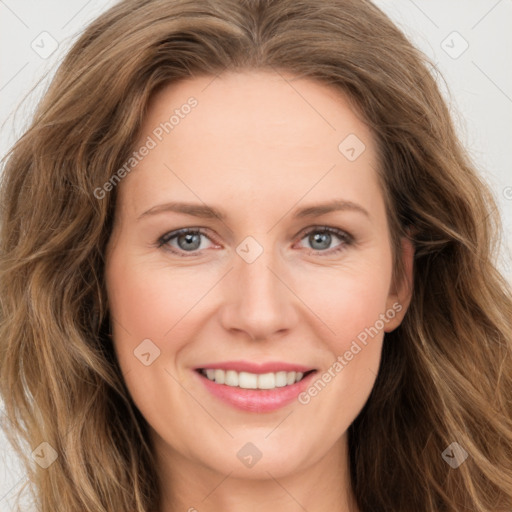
258,146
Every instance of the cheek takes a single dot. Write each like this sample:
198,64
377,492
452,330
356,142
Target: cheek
147,301
152,312
349,301
352,307
156,312
355,316
340,390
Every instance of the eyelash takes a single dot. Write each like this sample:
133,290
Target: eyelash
345,237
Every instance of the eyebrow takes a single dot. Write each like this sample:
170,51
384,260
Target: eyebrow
209,212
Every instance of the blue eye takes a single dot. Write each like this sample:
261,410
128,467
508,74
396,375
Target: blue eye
188,240
321,237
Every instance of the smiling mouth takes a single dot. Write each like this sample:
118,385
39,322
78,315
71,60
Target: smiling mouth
247,380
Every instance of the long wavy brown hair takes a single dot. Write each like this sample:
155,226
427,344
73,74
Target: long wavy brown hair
446,372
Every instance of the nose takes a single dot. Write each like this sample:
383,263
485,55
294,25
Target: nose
258,298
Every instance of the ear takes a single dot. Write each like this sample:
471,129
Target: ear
401,288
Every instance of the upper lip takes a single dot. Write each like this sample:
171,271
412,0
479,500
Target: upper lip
252,367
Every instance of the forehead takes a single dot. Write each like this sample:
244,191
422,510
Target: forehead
255,107
253,134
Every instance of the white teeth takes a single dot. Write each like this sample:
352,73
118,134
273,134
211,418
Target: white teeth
266,381
220,376
290,378
246,380
231,378
280,379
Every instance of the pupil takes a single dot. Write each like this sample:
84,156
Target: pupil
190,238
319,237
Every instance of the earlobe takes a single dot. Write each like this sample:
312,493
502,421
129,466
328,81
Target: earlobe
400,293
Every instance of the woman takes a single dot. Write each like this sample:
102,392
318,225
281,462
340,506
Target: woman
177,331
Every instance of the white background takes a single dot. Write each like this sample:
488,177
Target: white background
478,88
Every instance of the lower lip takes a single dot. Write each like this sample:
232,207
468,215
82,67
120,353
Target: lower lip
256,400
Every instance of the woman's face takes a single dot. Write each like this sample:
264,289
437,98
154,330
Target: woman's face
291,276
